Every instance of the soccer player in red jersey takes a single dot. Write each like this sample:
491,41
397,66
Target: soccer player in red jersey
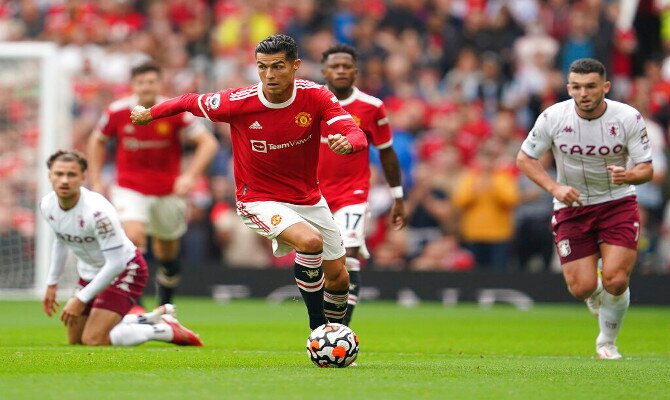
602,151
112,272
345,180
275,132
150,184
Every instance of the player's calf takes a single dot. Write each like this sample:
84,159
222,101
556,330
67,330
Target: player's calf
337,290
353,266
168,278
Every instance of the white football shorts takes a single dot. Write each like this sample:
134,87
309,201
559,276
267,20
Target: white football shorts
271,218
352,221
164,216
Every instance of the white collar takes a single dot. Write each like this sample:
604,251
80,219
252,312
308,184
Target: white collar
350,99
267,104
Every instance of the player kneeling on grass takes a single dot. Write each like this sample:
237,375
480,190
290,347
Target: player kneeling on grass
112,272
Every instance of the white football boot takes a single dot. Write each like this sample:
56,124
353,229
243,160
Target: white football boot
608,351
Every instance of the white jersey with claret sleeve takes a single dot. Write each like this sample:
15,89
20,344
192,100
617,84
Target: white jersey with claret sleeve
89,228
584,148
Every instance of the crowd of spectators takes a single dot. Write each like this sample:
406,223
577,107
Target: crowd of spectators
462,80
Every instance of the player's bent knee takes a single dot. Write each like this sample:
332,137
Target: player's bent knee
95,339
616,284
311,244
581,291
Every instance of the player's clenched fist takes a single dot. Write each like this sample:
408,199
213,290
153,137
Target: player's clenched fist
618,174
339,144
140,115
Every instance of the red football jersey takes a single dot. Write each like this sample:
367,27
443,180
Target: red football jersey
345,180
275,146
148,158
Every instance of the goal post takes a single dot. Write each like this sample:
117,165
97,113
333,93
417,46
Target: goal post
37,111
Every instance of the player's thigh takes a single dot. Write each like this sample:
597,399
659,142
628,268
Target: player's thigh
133,210
136,232
619,231
167,218
130,204
581,275
99,324
320,217
124,291
75,330
301,236
574,233
270,219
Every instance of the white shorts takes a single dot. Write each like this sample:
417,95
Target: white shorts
271,218
352,221
164,216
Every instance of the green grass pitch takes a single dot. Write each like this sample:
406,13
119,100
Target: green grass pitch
254,350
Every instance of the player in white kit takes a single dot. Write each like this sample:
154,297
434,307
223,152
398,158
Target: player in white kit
593,140
112,272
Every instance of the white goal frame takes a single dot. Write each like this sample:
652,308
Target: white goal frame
55,131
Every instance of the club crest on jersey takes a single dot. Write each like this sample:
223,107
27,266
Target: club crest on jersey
564,249
356,119
213,102
612,129
275,220
163,128
303,119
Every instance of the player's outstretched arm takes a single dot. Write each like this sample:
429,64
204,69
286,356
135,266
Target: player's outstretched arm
536,172
176,105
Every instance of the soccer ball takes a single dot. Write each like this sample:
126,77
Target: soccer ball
332,346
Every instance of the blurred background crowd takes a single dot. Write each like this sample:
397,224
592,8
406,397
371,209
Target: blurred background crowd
462,81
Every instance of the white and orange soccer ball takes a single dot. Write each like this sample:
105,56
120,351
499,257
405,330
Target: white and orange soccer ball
332,346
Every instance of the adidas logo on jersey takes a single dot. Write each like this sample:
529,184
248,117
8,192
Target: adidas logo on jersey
255,125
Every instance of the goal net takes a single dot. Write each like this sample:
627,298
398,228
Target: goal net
35,118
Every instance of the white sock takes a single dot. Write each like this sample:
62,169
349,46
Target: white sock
599,288
145,318
125,334
611,316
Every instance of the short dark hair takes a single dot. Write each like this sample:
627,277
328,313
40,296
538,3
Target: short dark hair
587,66
72,155
339,48
145,67
278,44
